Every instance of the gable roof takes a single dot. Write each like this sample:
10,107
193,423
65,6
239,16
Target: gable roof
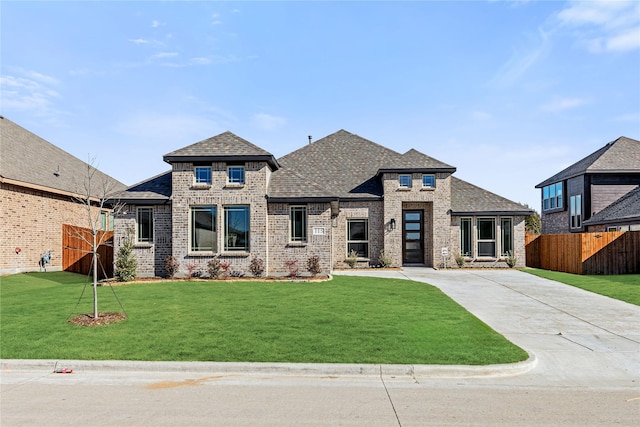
619,156
150,191
225,147
28,160
626,208
346,166
468,199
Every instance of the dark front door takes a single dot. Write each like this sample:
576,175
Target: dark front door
412,237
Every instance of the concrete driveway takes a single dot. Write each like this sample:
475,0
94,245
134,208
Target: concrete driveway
580,339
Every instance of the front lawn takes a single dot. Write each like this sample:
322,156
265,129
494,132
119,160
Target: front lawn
625,287
345,320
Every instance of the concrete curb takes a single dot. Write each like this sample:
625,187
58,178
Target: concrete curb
310,369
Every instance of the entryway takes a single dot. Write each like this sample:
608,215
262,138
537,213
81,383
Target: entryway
412,237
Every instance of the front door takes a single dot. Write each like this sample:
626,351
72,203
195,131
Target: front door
412,237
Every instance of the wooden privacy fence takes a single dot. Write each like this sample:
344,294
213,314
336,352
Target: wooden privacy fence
613,252
76,251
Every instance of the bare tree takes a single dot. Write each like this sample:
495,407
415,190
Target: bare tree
95,194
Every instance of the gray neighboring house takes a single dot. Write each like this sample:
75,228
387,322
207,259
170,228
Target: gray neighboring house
591,194
225,197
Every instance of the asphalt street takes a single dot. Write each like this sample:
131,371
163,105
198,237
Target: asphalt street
584,369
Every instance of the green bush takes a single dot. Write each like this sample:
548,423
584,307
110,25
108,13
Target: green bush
126,263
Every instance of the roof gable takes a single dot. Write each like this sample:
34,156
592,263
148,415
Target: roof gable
348,165
468,199
619,156
624,209
157,188
223,147
31,160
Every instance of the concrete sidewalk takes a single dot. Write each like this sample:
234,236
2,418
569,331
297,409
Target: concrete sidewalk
578,338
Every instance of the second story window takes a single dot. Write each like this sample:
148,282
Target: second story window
552,196
404,181
235,174
428,181
202,175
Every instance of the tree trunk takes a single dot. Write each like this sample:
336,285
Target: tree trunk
95,276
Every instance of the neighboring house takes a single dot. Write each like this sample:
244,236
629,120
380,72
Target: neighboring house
621,215
228,198
573,198
38,183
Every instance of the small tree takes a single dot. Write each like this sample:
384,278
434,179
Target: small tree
126,262
533,223
213,268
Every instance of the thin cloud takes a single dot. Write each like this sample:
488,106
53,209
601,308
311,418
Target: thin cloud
522,60
268,122
603,26
631,117
160,55
562,104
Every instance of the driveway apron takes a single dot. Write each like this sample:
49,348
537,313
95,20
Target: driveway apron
579,338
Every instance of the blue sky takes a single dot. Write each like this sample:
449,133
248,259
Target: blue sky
509,92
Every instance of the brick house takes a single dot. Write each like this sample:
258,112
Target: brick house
228,198
593,194
38,183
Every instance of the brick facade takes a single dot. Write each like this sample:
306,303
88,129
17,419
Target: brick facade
32,221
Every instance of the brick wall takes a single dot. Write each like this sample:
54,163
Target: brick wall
150,256
32,220
318,243
374,212
435,202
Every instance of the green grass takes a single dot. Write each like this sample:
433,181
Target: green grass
345,320
625,287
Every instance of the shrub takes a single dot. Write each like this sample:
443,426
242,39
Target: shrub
226,268
292,267
171,266
352,259
384,260
126,262
256,267
511,259
213,268
192,270
460,260
313,265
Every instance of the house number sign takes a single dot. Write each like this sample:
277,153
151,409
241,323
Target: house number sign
318,231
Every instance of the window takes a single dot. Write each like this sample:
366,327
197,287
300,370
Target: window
103,221
465,236
486,237
506,236
298,224
145,225
235,174
405,181
358,237
203,236
236,228
552,197
202,175
576,211
428,181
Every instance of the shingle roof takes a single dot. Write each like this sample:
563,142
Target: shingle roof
155,189
626,208
619,156
468,199
346,165
223,147
33,161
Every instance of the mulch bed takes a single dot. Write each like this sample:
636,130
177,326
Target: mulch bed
102,319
